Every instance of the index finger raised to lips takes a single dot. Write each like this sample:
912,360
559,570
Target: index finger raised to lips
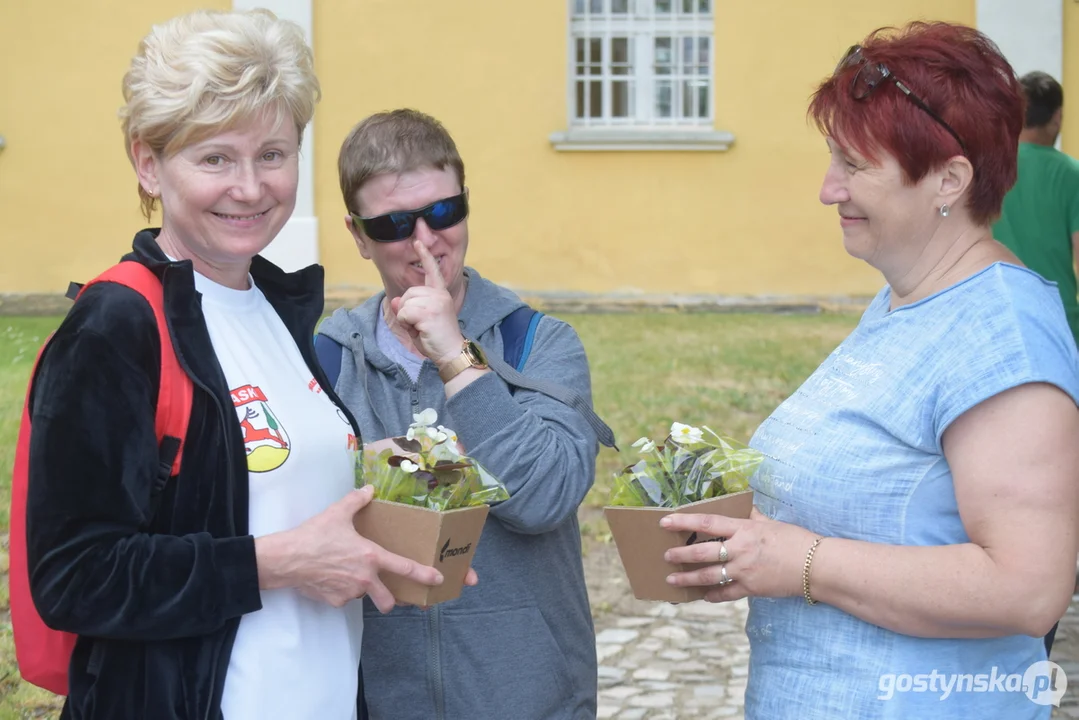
432,275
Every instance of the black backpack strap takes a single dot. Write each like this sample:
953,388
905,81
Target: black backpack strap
328,351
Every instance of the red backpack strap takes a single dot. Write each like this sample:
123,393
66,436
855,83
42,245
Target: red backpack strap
175,390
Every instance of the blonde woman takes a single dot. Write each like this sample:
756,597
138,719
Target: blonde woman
230,592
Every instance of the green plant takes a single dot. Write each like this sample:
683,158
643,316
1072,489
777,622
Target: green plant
428,470
692,464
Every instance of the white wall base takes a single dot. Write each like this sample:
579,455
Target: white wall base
296,246
1030,33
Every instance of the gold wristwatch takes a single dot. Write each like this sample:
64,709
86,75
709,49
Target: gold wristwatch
471,356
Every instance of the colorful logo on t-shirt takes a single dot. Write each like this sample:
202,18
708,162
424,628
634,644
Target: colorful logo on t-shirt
265,439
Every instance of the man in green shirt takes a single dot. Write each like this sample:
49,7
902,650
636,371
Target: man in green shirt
1040,218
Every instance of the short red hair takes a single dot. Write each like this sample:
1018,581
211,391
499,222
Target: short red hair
959,73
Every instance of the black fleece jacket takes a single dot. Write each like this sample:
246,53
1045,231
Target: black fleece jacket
155,588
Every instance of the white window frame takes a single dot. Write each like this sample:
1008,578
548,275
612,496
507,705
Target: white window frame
643,129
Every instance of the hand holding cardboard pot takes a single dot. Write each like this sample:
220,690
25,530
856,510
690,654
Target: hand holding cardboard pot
327,561
444,541
694,471
763,557
431,505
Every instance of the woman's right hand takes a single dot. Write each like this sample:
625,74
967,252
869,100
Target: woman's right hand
327,560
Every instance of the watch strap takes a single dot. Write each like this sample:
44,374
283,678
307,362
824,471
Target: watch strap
455,367
462,362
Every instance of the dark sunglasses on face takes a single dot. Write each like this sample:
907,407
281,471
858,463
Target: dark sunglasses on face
401,224
872,75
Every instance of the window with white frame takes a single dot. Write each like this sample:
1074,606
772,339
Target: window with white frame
641,64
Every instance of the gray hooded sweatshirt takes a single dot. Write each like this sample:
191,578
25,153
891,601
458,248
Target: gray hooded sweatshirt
520,645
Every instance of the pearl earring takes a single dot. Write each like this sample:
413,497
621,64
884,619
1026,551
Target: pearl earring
945,210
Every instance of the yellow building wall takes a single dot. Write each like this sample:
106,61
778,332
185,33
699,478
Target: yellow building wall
746,221
68,196
1069,135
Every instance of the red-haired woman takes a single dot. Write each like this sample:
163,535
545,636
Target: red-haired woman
918,507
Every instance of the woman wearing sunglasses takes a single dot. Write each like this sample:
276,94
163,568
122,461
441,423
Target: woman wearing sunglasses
521,643
918,505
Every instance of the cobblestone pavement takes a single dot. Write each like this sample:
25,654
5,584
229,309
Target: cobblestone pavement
1066,654
668,662
673,661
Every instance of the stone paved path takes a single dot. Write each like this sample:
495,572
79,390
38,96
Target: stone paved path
1066,654
673,661
668,662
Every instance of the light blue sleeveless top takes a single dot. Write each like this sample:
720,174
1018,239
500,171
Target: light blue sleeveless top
856,453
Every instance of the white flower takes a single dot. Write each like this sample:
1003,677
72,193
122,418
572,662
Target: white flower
437,435
645,445
449,433
411,434
444,451
425,419
408,466
686,434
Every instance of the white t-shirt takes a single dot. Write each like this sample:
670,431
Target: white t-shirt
295,658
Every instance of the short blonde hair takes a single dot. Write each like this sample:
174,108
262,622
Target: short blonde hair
204,73
392,143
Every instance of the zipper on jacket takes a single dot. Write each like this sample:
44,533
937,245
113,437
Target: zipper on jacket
186,367
434,658
434,615
230,637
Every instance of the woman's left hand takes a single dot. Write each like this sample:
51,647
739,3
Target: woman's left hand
764,557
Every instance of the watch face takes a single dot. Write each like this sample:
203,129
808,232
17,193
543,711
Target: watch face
476,352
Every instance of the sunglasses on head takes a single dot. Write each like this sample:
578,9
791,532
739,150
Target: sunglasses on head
401,224
872,75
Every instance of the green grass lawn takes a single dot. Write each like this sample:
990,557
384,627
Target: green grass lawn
20,339
724,371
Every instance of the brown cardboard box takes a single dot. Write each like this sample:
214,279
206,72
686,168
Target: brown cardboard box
641,543
444,540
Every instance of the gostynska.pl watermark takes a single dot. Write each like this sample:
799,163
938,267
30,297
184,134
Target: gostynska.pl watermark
1044,683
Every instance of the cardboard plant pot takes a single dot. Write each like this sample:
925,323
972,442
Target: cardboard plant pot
444,540
641,543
